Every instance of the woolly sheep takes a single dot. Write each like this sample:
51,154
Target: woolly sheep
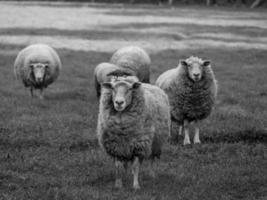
192,90
134,59
133,123
38,66
105,72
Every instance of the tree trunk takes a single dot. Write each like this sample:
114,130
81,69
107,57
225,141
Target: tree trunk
210,2
256,3
170,2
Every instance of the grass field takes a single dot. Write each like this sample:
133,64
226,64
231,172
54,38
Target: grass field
48,149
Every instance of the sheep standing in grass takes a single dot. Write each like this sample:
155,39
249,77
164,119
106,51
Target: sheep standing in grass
133,123
192,90
135,59
38,66
105,72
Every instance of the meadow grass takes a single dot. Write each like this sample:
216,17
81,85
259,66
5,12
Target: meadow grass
48,149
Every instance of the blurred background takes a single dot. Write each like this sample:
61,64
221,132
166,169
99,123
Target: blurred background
242,3
48,149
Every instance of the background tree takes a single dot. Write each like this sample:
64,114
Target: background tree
170,2
256,3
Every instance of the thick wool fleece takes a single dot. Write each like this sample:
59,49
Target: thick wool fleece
138,131
134,59
101,75
189,100
38,53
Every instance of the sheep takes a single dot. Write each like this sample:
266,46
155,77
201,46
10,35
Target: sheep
133,124
38,66
134,59
105,72
192,91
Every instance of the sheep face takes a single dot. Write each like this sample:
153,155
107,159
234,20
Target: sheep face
122,93
195,69
38,71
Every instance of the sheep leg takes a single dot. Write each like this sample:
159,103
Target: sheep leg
174,127
152,168
181,130
186,131
135,170
41,96
31,92
196,137
125,165
119,167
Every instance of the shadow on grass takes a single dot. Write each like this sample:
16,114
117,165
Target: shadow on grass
112,33
162,184
101,180
246,136
192,28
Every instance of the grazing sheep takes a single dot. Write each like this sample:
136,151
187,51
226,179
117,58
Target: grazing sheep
134,59
133,123
192,90
105,72
38,66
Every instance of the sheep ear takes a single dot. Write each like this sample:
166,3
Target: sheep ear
206,63
31,67
107,85
183,63
136,85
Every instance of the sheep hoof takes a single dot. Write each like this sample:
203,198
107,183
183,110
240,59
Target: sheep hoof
118,184
197,142
187,143
136,187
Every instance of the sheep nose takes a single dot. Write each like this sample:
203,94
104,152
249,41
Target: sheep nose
39,79
119,103
196,75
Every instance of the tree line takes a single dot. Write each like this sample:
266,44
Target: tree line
247,3
236,3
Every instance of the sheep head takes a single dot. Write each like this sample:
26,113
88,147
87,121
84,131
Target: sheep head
195,67
122,93
38,71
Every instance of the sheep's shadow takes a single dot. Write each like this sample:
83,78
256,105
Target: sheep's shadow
249,136
161,184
